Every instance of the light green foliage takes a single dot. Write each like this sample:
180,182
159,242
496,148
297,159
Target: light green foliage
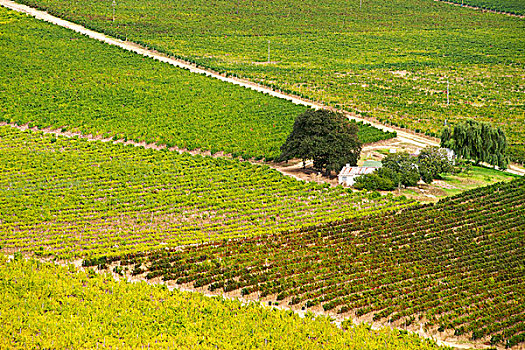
433,161
50,76
404,166
388,59
74,197
53,307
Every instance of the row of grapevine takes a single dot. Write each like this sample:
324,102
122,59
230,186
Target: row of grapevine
51,77
45,306
516,7
390,61
72,197
457,266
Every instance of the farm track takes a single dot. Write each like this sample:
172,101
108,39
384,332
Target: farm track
480,9
403,135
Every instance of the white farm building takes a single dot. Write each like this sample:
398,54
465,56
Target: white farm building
349,173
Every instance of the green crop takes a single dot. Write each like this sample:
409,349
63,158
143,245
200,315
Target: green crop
510,6
46,306
53,77
387,59
72,197
456,265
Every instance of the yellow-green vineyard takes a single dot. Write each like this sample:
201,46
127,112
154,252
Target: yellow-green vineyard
105,245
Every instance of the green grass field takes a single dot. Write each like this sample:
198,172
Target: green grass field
477,177
390,60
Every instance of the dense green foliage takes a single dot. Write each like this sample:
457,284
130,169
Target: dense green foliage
477,141
390,60
51,76
326,137
70,196
432,162
44,306
403,169
510,6
456,265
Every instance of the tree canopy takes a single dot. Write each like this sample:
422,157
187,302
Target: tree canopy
326,137
403,169
477,141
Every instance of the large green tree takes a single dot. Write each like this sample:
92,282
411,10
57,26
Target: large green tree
326,137
477,141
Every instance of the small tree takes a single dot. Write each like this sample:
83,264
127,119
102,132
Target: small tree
405,166
383,179
328,138
433,161
477,141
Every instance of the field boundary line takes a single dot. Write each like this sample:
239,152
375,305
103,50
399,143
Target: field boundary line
404,135
481,9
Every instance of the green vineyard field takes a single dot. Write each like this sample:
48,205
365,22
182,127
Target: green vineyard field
456,266
389,60
45,306
52,77
72,197
510,6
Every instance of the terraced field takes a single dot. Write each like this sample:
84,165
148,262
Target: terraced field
456,266
71,197
389,60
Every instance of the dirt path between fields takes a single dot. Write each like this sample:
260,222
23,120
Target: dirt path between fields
403,135
480,9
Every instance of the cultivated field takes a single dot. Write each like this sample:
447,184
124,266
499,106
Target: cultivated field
456,266
54,307
390,60
71,197
216,225
52,77
509,6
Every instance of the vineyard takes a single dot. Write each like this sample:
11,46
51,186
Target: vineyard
509,6
118,94
52,307
456,266
390,61
71,197
137,210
